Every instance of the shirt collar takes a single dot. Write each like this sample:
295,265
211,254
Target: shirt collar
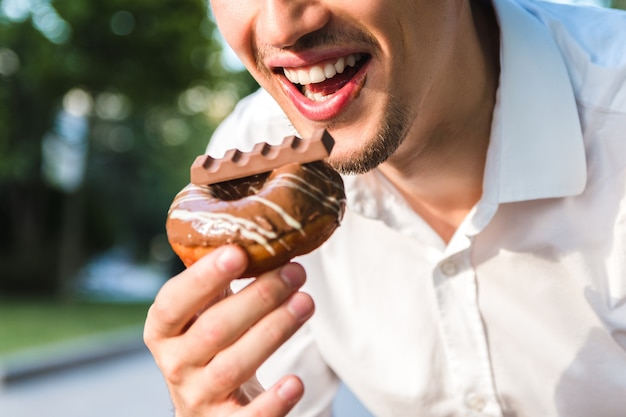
536,148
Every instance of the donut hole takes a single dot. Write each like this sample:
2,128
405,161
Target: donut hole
239,188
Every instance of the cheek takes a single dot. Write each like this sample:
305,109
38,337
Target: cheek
235,19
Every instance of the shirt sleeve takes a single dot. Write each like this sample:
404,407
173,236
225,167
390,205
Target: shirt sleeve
300,356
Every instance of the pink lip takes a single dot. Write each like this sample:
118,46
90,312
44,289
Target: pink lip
306,58
333,106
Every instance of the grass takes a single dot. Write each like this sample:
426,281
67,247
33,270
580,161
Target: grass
34,323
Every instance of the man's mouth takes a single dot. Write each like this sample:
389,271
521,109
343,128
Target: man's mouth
318,82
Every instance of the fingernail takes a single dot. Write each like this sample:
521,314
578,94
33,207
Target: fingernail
293,275
300,306
289,391
229,259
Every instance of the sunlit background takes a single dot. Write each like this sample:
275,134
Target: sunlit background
103,106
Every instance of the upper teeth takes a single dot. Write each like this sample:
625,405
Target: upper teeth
318,73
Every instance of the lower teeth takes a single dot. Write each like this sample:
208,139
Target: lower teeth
315,96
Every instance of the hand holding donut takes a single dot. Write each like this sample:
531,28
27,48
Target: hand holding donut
209,346
208,342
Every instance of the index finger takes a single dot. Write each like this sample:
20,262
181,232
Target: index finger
180,298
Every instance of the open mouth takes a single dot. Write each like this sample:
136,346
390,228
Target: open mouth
320,81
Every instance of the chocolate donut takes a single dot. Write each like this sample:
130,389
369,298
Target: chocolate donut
273,216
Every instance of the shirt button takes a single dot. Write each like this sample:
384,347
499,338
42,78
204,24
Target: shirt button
449,268
475,401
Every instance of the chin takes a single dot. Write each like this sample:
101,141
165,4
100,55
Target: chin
357,154
355,161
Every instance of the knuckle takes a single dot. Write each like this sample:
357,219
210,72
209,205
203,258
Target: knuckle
194,402
214,331
225,374
173,370
266,294
162,312
273,333
149,338
191,401
150,333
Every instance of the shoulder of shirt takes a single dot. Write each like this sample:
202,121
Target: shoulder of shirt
593,43
255,118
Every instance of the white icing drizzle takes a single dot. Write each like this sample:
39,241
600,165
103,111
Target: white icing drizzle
278,209
189,199
316,171
295,182
204,221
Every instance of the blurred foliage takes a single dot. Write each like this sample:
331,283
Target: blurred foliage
619,4
149,77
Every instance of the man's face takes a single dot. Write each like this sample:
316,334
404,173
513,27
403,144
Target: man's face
363,69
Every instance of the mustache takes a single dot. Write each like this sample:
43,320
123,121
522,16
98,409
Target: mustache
321,38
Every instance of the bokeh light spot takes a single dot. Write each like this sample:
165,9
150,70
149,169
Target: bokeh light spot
112,106
175,131
9,62
77,102
122,23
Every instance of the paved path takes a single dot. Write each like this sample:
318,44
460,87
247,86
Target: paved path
125,386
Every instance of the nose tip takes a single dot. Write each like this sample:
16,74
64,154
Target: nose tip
282,22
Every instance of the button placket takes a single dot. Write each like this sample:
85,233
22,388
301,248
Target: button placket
464,334
475,401
449,268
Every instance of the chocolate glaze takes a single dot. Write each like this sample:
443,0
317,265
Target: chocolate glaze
262,158
257,209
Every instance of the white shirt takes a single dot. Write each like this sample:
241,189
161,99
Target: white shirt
523,313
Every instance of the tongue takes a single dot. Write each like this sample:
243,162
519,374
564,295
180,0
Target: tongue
331,85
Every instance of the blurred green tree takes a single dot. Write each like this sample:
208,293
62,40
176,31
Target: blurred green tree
140,85
619,4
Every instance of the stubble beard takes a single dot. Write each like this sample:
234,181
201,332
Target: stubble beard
393,129
396,118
